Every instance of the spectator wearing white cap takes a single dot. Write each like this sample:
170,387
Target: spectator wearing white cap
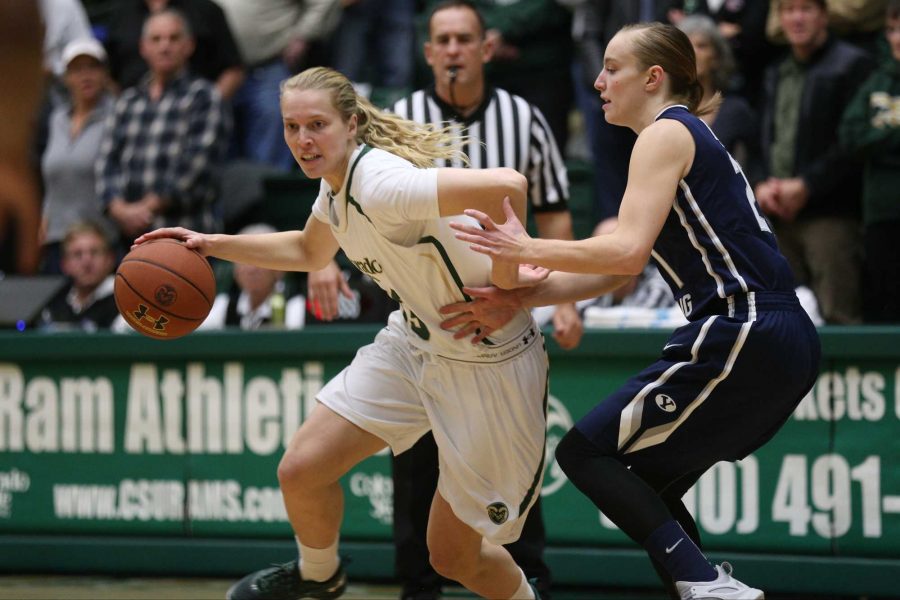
73,145
65,21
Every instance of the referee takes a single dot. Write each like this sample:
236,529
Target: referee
503,130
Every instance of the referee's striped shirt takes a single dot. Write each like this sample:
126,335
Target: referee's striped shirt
505,131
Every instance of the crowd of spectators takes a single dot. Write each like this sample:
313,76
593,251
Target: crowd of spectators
148,102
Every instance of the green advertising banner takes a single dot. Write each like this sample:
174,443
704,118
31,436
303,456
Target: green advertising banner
106,435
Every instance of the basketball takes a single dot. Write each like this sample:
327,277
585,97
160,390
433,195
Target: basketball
164,289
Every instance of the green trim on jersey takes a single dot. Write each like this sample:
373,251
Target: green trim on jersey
453,273
365,150
537,476
429,239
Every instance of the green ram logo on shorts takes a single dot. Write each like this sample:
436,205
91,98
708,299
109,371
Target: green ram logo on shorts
498,513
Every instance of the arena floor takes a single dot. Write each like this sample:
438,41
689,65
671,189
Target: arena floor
36,587
53,587
59,587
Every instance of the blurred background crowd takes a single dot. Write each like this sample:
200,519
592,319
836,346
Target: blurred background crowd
166,112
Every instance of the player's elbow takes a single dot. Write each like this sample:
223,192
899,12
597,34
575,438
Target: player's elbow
633,261
318,261
514,184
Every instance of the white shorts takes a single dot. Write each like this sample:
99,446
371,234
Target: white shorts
489,422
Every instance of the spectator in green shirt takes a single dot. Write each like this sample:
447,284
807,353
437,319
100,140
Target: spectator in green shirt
871,129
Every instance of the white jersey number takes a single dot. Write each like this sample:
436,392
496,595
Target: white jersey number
754,206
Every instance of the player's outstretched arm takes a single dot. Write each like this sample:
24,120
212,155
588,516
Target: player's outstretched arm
662,155
499,193
491,307
310,249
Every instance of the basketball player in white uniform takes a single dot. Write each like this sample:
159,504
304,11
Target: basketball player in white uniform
484,403
400,240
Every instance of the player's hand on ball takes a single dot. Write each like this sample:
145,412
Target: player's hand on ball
192,239
163,289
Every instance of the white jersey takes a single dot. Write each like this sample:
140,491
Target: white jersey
386,219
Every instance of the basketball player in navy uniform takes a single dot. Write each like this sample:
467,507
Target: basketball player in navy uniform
728,380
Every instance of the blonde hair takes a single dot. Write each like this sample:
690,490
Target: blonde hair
420,144
670,48
84,228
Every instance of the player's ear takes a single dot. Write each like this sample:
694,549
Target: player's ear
655,77
429,54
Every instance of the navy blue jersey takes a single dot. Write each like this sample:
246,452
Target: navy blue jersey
715,243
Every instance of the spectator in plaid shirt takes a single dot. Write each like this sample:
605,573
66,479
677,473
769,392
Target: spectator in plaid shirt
164,139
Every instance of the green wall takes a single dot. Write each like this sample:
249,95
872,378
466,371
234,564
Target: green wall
122,454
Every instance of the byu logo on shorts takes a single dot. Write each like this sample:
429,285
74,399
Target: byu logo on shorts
498,512
665,402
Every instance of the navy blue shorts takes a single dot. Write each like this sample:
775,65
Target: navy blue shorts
722,388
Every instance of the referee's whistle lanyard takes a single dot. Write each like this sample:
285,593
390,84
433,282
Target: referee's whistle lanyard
452,72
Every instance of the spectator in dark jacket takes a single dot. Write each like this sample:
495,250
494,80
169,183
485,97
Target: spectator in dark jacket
812,189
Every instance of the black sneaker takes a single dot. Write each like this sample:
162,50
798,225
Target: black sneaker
282,582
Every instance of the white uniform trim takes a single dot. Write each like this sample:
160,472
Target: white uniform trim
668,268
630,418
659,434
692,202
720,286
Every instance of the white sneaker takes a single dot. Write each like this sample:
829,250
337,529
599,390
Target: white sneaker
724,587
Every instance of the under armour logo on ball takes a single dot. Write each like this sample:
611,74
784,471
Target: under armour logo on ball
142,314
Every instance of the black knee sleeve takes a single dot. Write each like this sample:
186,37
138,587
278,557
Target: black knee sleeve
574,451
619,493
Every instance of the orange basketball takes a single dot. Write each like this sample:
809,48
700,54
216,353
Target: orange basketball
164,289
